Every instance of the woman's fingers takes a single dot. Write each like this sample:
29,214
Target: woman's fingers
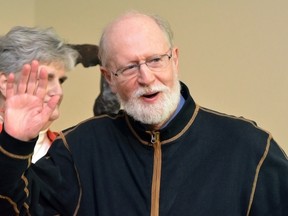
41,86
30,81
10,85
23,79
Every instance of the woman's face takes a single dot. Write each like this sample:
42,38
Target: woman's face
56,77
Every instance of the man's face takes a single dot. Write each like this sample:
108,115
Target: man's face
149,96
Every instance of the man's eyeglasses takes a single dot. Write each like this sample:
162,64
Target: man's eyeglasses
155,63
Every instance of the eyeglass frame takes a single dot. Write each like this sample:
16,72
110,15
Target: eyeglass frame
138,65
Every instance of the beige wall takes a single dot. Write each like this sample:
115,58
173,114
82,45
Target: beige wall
14,12
233,54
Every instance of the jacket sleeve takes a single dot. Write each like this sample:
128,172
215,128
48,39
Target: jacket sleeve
48,187
15,159
271,185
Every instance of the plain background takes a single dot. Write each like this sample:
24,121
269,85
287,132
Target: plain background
233,54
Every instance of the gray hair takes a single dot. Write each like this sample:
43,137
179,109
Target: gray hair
22,44
163,25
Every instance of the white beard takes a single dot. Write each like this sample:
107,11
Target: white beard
153,114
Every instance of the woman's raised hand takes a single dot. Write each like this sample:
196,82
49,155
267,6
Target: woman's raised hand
26,111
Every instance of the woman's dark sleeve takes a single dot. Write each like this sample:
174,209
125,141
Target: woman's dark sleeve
43,188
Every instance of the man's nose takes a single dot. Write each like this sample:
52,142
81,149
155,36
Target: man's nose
146,76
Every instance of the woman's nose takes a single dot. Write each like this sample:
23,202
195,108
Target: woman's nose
56,89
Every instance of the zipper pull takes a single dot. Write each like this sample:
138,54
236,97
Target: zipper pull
155,137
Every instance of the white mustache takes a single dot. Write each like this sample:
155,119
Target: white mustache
149,90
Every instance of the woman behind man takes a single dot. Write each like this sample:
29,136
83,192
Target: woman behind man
20,46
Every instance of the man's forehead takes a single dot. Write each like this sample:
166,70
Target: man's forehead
131,26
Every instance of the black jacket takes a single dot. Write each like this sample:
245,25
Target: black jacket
202,163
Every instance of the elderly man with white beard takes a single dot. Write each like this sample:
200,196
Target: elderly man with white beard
162,155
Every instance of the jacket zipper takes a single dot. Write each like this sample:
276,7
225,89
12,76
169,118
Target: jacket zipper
155,190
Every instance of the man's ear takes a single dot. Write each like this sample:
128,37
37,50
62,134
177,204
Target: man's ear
108,76
3,83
